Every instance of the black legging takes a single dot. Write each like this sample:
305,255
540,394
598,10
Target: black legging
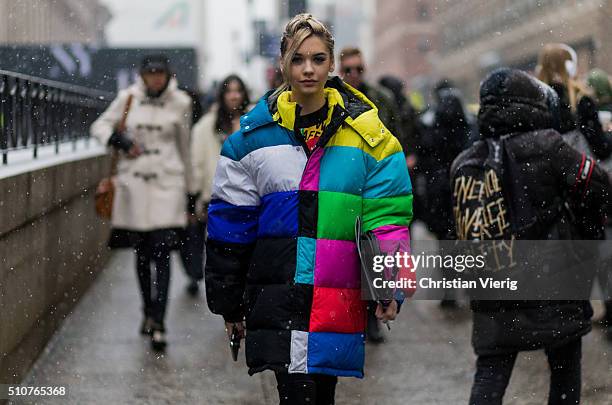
493,374
306,389
154,303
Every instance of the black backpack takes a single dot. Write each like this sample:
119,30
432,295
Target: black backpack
491,201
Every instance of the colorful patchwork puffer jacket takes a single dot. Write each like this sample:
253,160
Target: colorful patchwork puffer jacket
281,249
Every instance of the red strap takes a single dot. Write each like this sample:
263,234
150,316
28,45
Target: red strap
588,179
578,175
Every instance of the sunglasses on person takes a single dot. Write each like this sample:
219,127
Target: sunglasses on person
349,69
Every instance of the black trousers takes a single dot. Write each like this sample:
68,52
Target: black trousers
191,248
154,292
493,374
306,389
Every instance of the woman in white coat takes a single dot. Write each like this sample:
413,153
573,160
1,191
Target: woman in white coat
211,131
153,185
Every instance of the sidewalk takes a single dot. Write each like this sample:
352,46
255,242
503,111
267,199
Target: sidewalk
100,356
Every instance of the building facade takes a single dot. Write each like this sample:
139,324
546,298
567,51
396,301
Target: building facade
477,36
28,22
405,37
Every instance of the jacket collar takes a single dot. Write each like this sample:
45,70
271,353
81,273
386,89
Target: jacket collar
362,114
258,116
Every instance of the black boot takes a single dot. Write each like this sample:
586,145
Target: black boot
193,288
158,338
147,326
607,318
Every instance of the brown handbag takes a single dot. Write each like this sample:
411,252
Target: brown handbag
105,191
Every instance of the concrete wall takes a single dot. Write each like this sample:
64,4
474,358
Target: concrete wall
52,246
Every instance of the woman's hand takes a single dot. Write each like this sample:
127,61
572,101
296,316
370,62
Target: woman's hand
134,151
387,314
229,327
192,219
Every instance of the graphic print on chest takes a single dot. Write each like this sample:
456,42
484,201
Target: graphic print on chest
312,134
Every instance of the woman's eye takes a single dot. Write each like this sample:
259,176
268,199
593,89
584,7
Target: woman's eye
319,59
296,60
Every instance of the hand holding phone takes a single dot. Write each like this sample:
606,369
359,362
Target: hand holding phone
386,313
235,332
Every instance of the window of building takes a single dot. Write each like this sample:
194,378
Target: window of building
423,12
424,45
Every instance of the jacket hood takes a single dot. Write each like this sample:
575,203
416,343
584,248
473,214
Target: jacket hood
512,101
362,114
450,112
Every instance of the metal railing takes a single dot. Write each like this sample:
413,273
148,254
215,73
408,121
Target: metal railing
36,112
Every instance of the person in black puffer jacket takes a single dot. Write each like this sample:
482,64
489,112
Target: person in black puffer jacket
446,139
515,110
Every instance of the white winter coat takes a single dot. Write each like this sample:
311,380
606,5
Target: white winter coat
150,191
205,150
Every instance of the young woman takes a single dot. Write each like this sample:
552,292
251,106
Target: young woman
307,160
581,128
207,136
153,180
579,123
212,130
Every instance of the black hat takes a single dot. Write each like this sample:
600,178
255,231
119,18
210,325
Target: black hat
506,85
442,84
514,101
155,63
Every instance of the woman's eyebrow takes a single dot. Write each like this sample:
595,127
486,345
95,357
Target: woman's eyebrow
316,54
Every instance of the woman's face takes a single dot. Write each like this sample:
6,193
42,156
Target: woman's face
310,66
233,97
155,81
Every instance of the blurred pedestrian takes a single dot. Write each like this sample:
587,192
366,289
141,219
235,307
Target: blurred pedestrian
353,71
440,143
599,82
153,198
191,243
208,136
446,129
579,122
515,121
406,115
308,160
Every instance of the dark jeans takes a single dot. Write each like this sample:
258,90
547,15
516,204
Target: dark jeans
154,293
191,249
306,389
493,373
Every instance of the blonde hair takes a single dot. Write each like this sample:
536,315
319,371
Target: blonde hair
348,52
296,31
552,67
